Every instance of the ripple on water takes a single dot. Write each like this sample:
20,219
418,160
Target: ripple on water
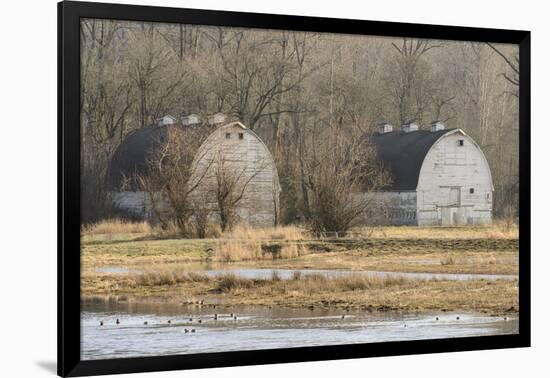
257,328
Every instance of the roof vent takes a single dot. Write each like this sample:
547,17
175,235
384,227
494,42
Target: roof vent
190,119
166,120
410,126
384,128
437,126
216,119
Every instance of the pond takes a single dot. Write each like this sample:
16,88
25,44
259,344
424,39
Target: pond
259,327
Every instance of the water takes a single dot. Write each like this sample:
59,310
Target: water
259,328
285,274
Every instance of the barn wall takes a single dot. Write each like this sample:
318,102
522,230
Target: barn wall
447,175
250,160
133,203
247,158
391,208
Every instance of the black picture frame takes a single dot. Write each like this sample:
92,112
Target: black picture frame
69,15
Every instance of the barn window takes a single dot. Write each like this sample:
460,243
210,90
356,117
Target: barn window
227,135
471,190
241,135
461,142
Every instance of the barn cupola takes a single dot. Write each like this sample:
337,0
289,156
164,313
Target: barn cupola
383,128
166,120
410,126
217,119
437,126
190,119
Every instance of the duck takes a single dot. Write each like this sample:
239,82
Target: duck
117,321
437,318
234,318
145,322
101,322
169,322
200,321
215,316
186,330
505,318
343,316
193,330
190,319
458,318
231,315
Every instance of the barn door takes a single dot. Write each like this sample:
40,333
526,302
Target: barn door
446,216
454,197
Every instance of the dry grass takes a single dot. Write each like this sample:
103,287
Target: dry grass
171,231
293,250
238,250
243,232
500,229
257,250
307,290
167,277
490,249
448,260
406,258
304,284
117,226
250,243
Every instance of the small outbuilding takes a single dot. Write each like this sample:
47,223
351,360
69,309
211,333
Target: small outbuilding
438,176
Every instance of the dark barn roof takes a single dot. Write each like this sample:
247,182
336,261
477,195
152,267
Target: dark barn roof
130,157
403,153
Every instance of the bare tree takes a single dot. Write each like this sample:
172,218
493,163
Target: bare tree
339,176
172,176
231,184
407,81
512,63
293,89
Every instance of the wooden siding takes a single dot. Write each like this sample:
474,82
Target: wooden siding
249,157
250,160
450,173
391,208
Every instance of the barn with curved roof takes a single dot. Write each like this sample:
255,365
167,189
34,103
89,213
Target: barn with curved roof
231,147
439,176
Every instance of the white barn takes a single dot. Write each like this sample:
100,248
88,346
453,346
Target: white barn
243,151
439,176
246,158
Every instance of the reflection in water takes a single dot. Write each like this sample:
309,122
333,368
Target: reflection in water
258,328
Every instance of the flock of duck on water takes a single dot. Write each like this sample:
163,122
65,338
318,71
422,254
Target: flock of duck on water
234,317
186,330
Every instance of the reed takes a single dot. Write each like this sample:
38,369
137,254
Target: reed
243,232
117,226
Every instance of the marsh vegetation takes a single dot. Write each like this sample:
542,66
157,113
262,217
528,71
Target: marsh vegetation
175,270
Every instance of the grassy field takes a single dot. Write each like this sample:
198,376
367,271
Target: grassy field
165,264
495,297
